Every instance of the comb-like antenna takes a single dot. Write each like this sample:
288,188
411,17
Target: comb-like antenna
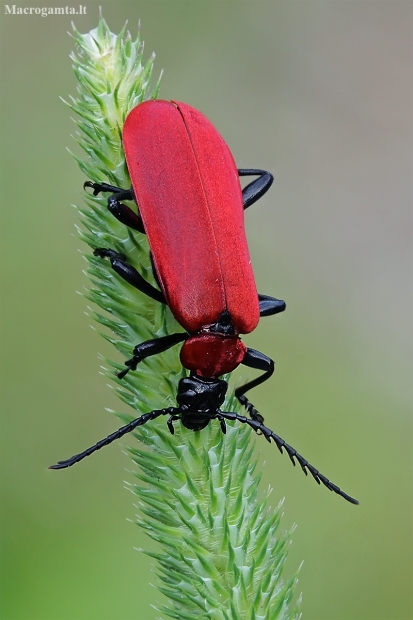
174,413
113,436
292,453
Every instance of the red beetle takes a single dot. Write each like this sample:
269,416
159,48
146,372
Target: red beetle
191,207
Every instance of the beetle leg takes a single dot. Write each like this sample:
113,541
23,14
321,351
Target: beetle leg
129,273
170,422
124,214
254,359
256,189
113,436
105,187
270,305
259,427
149,348
222,422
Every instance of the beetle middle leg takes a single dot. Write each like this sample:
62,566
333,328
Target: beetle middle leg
259,361
123,213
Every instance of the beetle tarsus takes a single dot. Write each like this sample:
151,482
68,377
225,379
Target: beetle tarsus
97,187
170,424
102,187
130,365
122,373
108,253
222,424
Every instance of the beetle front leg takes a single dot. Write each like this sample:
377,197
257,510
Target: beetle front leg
259,361
256,189
170,422
129,273
123,214
149,348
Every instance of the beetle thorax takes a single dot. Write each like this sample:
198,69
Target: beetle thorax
212,355
214,350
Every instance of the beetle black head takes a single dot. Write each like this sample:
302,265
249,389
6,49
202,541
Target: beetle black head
199,399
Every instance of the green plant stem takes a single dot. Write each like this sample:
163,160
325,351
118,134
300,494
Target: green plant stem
221,549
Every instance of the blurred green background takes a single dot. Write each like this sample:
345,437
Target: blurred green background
320,93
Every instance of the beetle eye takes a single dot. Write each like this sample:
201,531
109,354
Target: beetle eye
183,398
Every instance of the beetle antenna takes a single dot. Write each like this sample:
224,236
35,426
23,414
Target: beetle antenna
292,453
113,436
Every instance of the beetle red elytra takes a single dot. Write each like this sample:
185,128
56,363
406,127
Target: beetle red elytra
191,207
